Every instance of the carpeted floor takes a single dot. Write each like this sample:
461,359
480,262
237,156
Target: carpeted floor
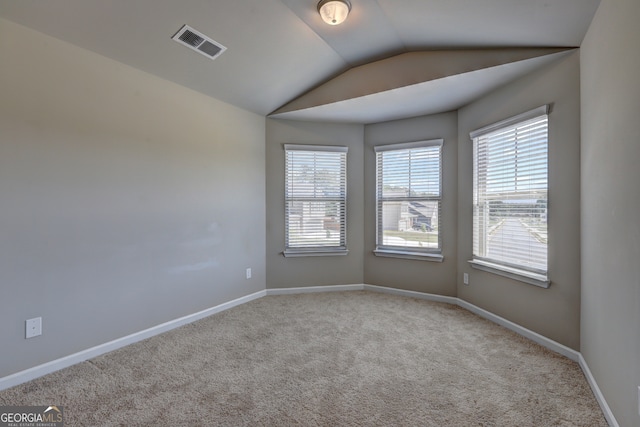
328,359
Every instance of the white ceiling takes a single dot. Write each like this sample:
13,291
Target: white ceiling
280,49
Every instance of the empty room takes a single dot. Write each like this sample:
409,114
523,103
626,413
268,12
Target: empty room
319,212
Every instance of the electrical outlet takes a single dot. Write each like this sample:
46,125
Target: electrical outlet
465,278
34,327
639,400
248,273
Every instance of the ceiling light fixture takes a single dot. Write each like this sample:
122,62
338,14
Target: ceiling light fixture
334,12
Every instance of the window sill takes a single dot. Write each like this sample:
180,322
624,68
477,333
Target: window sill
420,256
512,273
314,252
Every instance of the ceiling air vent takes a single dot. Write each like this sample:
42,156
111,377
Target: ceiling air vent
197,41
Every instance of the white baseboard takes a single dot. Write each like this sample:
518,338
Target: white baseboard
527,333
64,362
521,330
533,336
314,289
606,410
55,365
411,294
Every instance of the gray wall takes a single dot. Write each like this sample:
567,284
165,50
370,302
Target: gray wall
553,312
610,66
118,213
127,201
422,276
313,271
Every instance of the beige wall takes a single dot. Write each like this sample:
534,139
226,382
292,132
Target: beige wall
415,275
127,201
553,312
313,271
610,66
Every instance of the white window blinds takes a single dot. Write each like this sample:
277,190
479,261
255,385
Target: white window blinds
409,194
315,198
510,194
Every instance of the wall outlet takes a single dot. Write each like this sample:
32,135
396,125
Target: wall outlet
34,327
465,278
248,273
639,400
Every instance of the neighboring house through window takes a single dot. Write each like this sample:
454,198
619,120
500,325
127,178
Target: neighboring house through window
510,194
409,198
315,200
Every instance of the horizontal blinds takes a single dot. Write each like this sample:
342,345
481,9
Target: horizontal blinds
408,193
511,195
410,173
315,197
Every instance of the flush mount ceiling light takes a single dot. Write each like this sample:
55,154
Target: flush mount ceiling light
334,12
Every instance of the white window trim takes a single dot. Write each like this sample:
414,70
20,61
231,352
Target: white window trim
409,253
525,276
540,111
295,253
408,145
303,147
513,273
420,256
319,251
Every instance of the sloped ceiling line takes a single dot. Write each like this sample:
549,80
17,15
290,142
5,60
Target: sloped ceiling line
430,72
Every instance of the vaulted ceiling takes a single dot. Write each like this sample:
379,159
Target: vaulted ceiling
281,58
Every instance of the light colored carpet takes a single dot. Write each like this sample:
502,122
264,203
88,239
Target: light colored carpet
330,359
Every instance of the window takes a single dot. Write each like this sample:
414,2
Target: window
510,183
409,195
315,200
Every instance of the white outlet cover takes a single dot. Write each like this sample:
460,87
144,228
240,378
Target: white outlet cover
248,273
465,278
33,327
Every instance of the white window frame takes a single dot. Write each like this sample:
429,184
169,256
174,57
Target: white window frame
518,271
407,252
293,247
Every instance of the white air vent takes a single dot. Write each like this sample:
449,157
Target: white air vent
197,41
